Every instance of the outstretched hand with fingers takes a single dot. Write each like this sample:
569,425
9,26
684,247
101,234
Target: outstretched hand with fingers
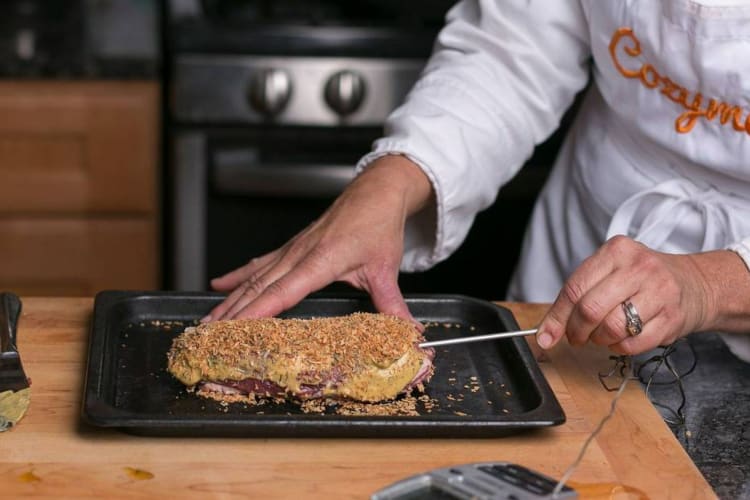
358,240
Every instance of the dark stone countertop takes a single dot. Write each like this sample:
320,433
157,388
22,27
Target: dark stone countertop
716,430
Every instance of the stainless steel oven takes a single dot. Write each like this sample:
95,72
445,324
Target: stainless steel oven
241,193
271,104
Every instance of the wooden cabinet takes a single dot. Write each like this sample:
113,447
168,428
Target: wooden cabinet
78,186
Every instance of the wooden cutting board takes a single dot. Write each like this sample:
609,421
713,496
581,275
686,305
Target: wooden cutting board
53,454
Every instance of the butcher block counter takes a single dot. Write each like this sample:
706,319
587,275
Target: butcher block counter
52,453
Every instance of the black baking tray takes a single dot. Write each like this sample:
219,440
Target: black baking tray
483,389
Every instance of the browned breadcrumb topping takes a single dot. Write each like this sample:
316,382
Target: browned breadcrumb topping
342,342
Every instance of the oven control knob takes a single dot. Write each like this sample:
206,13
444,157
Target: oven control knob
270,90
345,92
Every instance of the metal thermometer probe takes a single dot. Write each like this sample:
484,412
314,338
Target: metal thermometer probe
479,338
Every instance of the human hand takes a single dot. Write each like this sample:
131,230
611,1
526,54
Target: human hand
672,294
358,240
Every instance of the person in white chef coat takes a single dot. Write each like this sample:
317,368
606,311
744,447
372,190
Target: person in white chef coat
641,234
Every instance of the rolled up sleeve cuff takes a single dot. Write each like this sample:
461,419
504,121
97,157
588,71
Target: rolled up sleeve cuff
742,248
739,344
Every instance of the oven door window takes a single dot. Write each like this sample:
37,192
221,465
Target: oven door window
266,187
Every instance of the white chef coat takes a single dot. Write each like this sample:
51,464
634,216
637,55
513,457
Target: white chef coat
659,151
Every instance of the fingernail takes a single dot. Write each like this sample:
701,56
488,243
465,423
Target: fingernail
206,319
544,340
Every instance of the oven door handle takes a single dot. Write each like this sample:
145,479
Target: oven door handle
279,180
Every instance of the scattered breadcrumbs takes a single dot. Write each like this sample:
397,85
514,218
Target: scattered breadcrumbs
404,406
167,325
223,398
429,403
314,406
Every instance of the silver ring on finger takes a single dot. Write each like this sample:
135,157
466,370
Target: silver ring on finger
633,322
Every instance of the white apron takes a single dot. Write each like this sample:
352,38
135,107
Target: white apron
639,161
660,150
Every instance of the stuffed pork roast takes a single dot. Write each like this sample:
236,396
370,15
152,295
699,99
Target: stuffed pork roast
362,357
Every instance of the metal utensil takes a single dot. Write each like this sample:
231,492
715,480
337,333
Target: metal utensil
479,338
14,385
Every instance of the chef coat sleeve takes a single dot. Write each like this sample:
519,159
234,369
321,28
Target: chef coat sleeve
742,248
739,344
501,76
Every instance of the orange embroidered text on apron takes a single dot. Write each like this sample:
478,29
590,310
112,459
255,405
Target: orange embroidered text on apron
650,77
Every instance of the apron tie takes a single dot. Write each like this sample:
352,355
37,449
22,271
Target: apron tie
653,215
